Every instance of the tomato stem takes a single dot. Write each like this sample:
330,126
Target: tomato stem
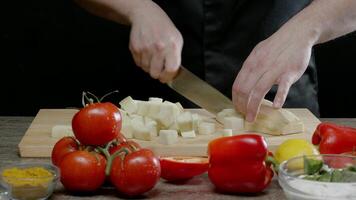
110,93
109,157
95,97
85,97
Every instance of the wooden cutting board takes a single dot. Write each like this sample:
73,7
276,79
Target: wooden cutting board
37,141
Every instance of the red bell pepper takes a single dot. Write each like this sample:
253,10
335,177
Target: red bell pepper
334,139
237,164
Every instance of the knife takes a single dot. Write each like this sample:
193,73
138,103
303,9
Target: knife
199,92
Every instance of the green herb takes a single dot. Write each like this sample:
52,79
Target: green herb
316,170
312,166
337,175
326,177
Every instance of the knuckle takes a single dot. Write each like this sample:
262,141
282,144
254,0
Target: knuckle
159,46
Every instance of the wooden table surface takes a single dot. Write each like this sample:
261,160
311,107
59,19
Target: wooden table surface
13,128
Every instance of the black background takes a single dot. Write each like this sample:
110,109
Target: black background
53,50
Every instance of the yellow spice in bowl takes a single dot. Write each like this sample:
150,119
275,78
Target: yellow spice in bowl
28,183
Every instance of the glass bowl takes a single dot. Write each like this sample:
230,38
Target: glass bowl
40,187
295,187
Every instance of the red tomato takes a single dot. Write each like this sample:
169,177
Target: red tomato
63,147
82,171
130,145
137,173
182,168
97,124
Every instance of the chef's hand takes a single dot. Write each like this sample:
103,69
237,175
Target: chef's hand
155,43
280,59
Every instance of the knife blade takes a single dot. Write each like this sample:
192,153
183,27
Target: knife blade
199,92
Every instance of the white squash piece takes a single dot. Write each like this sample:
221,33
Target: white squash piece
185,121
188,134
126,128
167,114
230,112
173,126
234,123
153,109
139,130
155,99
225,132
142,107
151,125
180,107
129,105
275,121
196,120
60,131
168,137
206,128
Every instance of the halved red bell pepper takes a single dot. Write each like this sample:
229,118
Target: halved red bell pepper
177,168
334,139
237,164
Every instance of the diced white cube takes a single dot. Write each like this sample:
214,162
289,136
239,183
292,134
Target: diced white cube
173,126
126,129
153,109
60,131
180,107
142,133
142,107
167,114
206,128
148,120
188,134
225,132
155,99
139,130
151,125
129,105
168,137
196,119
227,113
137,120
234,123
185,121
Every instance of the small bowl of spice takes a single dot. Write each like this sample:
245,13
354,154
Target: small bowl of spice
30,181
